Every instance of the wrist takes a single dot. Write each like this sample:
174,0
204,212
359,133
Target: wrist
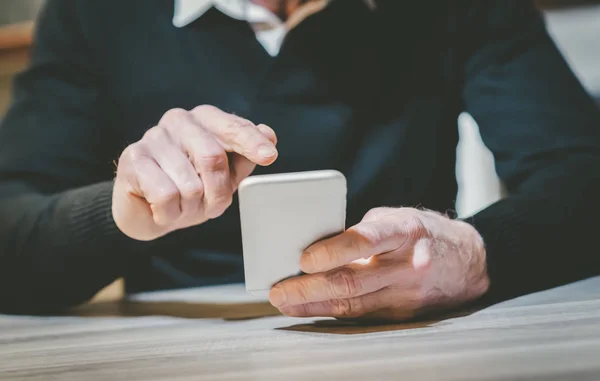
477,260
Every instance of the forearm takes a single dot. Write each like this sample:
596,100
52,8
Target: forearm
59,250
543,235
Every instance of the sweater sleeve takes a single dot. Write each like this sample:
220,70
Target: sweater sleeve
544,132
58,242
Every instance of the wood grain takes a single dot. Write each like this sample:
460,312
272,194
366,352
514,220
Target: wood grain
218,334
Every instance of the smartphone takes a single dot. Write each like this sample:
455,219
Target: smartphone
283,214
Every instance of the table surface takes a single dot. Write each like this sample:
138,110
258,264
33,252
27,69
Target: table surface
220,333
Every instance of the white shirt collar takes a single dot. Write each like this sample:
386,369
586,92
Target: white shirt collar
187,11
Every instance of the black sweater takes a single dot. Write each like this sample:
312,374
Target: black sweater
375,95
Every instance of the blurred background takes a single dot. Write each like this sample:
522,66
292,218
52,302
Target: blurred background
574,24
12,11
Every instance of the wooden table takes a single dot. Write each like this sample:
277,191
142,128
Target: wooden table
218,334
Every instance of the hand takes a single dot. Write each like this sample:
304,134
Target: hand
395,264
185,170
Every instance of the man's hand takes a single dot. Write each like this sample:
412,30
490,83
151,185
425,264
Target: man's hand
185,170
394,265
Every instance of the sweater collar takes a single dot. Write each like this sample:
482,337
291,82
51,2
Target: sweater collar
269,29
187,11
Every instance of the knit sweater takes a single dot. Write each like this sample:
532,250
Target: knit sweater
374,94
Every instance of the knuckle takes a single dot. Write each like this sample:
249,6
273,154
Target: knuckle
372,214
132,153
174,116
213,162
413,227
193,191
165,196
203,109
184,171
302,293
376,213
345,308
344,282
239,124
240,131
155,134
331,253
368,237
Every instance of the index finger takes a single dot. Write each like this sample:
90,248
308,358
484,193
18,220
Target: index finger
238,135
342,283
361,241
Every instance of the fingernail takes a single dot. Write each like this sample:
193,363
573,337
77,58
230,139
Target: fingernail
266,151
277,296
307,261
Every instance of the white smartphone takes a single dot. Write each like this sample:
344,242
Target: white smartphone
283,214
